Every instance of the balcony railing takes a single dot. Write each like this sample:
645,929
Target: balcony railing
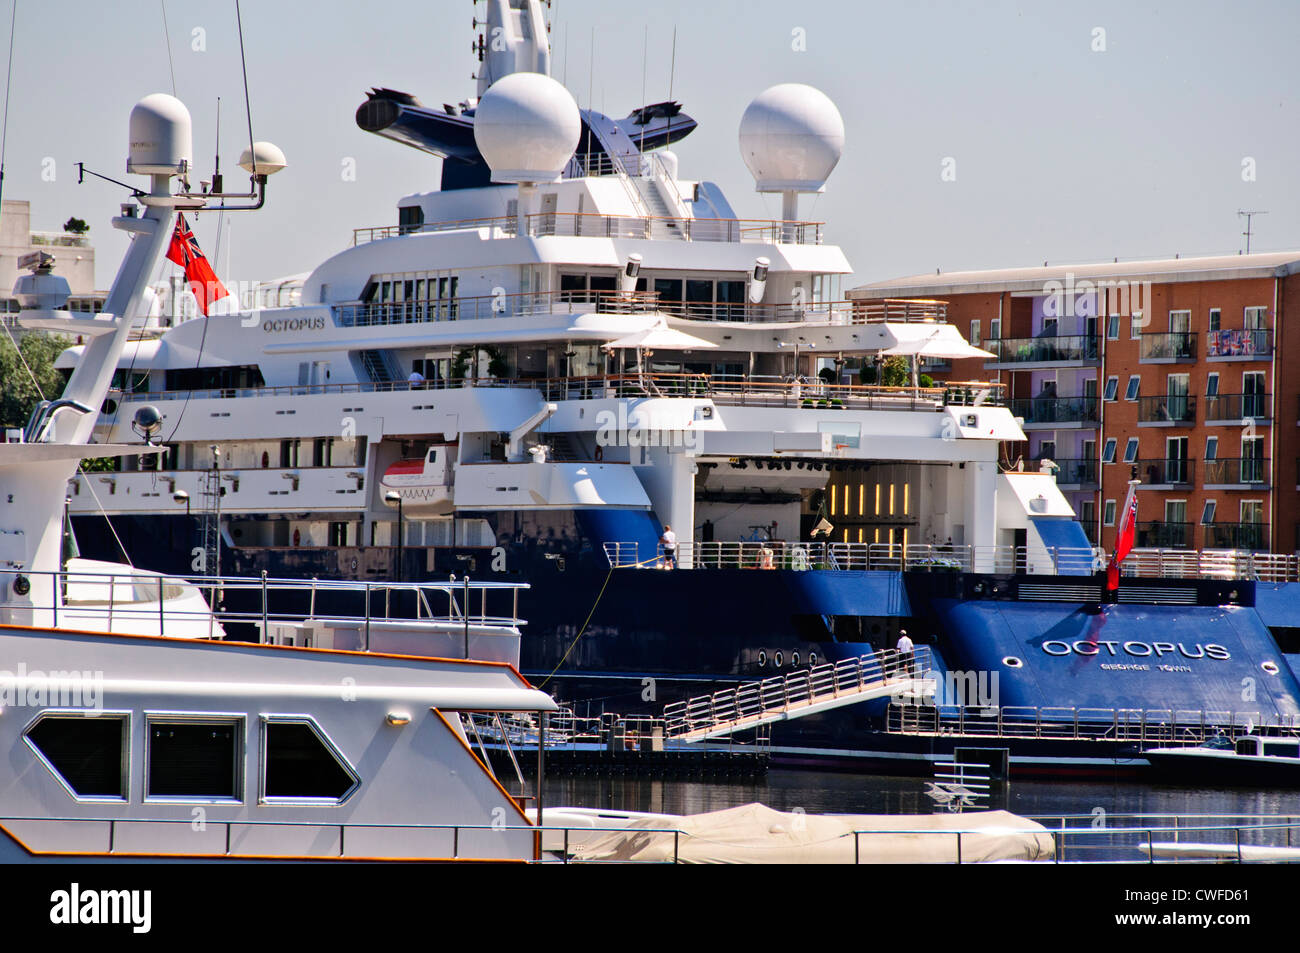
1247,536
1171,346
1055,410
1162,535
465,308
1234,408
1043,350
595,225
1075,471
1167,409
1236,471
1246,344
1166,472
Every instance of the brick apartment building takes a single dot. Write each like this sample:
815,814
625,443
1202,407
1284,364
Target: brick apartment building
1178,368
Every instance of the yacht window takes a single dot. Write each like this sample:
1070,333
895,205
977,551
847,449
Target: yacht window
301,764
669,289
195,759
87,754
1281,749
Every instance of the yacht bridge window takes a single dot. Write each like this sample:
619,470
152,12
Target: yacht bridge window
195,758
88,755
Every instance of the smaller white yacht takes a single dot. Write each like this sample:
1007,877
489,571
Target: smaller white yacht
130,729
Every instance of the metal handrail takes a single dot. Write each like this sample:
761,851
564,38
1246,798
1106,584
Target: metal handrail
1153,726
755,699
124,596
595,224
1222,564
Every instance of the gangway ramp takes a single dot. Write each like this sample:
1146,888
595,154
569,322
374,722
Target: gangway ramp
799,694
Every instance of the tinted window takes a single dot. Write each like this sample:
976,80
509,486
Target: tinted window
298,764
86,752
194,760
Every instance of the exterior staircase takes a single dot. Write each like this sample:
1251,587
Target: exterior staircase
805,692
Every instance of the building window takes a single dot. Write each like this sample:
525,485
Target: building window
1131,450
995,328
1216,316
1108,451
1252,511
1212,385
300,764
1254,319
1135,325
87,754
1175,511
1207,513
1112,388
1211,448
1133,383
1108,513
198,759
975,333
1112,328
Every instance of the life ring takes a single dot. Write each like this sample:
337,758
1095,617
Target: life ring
600,453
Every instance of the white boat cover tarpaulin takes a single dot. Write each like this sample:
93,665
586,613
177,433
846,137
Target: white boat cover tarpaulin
755,834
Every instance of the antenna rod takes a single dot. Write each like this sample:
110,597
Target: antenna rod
4,134
216,159
248,110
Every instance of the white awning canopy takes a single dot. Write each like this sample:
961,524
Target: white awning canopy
930,340
662,337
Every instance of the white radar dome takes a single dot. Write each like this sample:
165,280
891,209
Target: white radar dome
161,136
527,127
270,159
791,137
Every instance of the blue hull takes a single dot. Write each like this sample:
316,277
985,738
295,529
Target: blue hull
633,640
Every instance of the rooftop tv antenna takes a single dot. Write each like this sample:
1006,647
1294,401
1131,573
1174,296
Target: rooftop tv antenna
1248,216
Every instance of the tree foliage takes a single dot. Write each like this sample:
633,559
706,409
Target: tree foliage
19,395
76,226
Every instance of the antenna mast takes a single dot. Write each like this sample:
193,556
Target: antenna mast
1248,216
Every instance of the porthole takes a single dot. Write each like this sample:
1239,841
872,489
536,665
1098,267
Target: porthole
812,658
1270,667
762,658
778,659
1012,662
794,659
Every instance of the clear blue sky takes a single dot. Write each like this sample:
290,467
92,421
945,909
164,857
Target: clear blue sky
1062,153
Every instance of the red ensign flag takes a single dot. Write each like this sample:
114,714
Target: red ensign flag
1124,541
185,251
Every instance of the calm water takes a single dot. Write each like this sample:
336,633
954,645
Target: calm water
829,793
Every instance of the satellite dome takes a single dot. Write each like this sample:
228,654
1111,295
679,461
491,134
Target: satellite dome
161,136
527,127
791,137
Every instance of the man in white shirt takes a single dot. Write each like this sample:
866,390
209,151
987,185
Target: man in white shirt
669,542
904,647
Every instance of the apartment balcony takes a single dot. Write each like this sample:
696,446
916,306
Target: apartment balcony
1053,351
1169,348
1162,535
1167,411
1229,473
1056,413
1166,473
1246,536
1076,473
1246,344
1233,410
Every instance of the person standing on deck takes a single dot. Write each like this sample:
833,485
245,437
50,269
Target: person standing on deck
669,542
904,648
